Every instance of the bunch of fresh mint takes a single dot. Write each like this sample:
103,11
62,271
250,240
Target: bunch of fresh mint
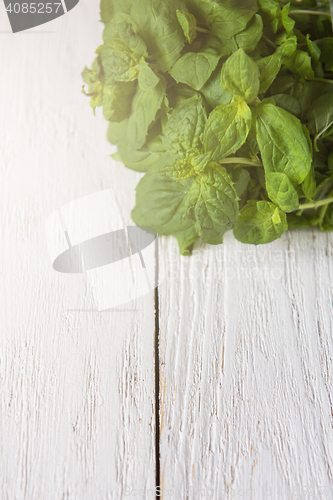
227,106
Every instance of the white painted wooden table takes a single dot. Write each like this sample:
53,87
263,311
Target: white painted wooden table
245,334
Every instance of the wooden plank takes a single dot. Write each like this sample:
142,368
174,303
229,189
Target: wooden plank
76,386
246,370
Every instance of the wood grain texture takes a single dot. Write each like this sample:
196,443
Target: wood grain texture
245,332
76,386
246,370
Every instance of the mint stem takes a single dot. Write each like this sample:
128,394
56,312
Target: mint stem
316,204
202,30
242,161
325,80
314,12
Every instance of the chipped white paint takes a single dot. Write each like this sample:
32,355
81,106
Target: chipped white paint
246,355
76,387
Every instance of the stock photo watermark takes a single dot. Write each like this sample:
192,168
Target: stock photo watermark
25,15
88,236
251,263
124,262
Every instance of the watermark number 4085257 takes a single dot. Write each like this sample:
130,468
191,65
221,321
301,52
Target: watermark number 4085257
24,15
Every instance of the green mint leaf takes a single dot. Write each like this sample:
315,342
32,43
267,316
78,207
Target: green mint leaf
179,170
119,63
126,30
194,68
249,38
143,159
228,46
255,190
227,128
326,224
178,93
186,168
299,221
240,76
320,115
326,52
96,95
160,204
224,105
200,161
287,44
273,13
282,143
121,5
106,10
260,222
95,86
158,26
154,141
185,241
184,128
152,153
188,23
241,179
109,33
269,67
309,184
288,103
147,79
271,8
281,191
300,63
116,100
116,131
91,76
308,138
314,50
212,204
224,18
288,84
145,105
213,92
287,22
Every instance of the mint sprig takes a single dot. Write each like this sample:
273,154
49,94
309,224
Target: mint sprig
228,109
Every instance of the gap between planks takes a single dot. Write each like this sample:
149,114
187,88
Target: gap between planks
157,374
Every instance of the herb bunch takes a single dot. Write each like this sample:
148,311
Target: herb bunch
227,106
